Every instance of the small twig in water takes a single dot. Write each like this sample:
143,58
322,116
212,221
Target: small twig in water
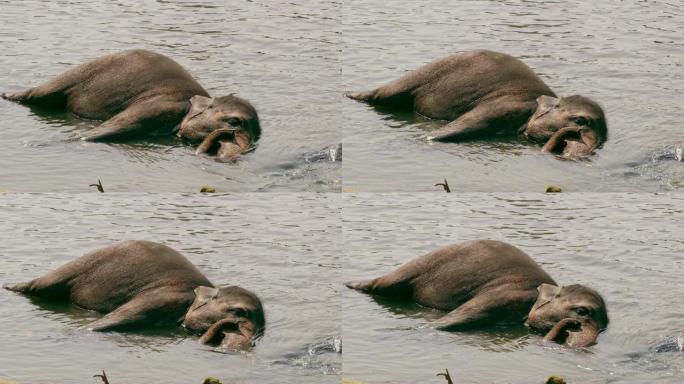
445,185
446,375
98,185
103,376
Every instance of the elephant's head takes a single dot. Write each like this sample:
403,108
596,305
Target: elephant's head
228,114
573,315
231,317
570,126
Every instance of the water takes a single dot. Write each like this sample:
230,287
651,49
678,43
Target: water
627,247
280,55
627,55
283,247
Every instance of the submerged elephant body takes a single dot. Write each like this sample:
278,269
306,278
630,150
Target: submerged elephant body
140,93
139,283
669,344
483,92
332,153
487,282
674,152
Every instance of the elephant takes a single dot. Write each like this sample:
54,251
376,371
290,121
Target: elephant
137,284
483,93
138,93
486,282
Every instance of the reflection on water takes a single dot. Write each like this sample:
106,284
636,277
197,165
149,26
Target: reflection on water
620,54
283,247
624,246
262,51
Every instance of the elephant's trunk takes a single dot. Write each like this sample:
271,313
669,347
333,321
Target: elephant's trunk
227,143
230,334
572,142
573,333
211,143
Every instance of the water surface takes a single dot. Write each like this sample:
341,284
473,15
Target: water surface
284,248
627,247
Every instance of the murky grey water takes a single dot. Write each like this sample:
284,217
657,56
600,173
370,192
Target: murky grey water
627,55
280,55
628,247
283,247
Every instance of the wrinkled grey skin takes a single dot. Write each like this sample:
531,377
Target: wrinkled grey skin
139,93
483,93
141,283
486,282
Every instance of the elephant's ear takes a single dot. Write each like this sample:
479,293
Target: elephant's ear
545,103
204,294
201,102
547,292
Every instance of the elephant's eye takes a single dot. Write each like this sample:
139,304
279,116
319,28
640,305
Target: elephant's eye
234,121
239,312
582,311
580,120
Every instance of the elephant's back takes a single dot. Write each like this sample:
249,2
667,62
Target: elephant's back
459,82
456,273
112,275
114,82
